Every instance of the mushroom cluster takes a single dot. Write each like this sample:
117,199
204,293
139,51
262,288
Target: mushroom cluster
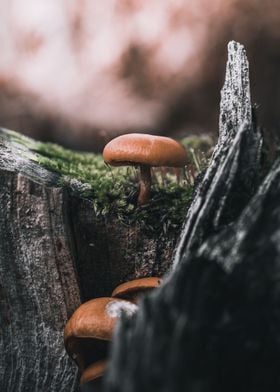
88,332
145,151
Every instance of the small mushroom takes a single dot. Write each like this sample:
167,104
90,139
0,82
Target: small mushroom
132,290
145,151
92,377
89,330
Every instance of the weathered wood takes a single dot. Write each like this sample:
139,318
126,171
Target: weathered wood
39,288
109,253
231,177
54,253
214,325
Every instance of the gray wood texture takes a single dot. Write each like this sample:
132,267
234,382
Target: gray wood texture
54,254
39,288
232,175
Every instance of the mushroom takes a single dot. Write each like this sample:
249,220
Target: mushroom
89,330
144,150
133,289
92,376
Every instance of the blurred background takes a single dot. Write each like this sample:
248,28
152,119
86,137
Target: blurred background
79,72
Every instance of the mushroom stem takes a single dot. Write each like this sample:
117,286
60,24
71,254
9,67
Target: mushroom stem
145,184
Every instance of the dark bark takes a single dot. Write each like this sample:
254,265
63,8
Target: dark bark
214,325
232,176
55,253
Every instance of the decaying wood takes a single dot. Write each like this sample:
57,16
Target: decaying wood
39,288
54,253
214,325
232,176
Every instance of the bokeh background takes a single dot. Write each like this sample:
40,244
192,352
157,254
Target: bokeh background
79,72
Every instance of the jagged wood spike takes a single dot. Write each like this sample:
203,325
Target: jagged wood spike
235,105
232,185
255,234
207,213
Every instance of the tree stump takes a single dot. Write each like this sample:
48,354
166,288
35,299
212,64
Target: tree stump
56,250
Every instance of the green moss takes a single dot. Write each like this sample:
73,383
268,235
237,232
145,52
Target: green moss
199,149
17,138
202,143
113,191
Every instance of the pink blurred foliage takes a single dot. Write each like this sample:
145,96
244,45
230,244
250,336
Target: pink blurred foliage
83,71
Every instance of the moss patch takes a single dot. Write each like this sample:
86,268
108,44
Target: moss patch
113,191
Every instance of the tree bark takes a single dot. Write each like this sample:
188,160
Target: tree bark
214,324
54,253
233,173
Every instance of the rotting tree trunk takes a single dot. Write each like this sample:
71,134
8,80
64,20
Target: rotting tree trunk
214,324
55,253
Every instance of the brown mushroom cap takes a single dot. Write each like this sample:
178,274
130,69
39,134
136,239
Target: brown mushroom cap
130,290
94,371
138,148
90,320
88,331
